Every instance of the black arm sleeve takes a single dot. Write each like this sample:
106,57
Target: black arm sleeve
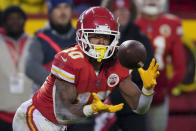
34,63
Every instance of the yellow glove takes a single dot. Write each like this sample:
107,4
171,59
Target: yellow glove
98,106
149,76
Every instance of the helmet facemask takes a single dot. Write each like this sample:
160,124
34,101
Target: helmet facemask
97,51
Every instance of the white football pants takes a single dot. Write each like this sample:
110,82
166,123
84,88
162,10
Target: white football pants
28,118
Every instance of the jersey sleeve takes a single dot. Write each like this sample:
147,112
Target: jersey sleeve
62,67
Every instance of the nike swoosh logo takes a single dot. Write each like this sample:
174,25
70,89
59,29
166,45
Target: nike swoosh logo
64,59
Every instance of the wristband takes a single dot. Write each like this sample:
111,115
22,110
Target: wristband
87,110
147,92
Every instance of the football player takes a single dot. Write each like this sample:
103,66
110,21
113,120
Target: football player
165,32
83,76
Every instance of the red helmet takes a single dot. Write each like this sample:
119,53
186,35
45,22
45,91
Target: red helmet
98,20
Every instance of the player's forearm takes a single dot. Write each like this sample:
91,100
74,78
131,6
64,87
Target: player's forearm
139,103
130,92
65,111
144,102
149,81
69,114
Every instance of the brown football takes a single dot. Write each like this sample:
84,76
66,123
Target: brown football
132,54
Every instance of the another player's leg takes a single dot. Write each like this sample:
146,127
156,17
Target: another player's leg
157,117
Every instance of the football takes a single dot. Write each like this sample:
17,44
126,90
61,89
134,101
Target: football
132,54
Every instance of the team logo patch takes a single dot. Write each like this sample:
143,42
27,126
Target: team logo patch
113,80
165,30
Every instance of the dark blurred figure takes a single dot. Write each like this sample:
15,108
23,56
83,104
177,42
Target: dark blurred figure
58,35
125,120
15,87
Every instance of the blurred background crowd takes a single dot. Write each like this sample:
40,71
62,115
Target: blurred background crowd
26,33
37,11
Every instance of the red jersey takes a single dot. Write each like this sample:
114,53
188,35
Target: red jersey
71,65
165,34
